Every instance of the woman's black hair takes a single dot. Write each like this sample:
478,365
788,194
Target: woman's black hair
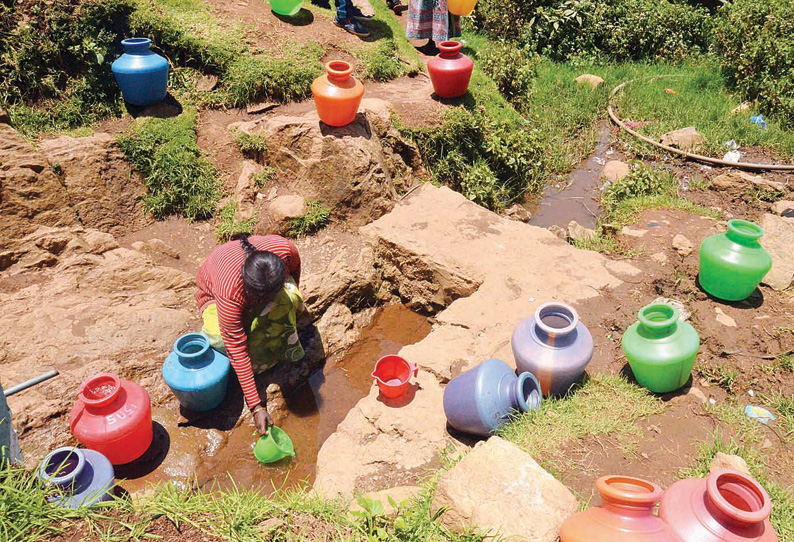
263,272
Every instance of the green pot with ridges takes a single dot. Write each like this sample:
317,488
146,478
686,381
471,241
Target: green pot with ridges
732,264
661,348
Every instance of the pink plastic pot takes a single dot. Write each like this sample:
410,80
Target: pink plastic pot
392,374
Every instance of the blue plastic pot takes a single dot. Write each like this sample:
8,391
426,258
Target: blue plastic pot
84,477
196,374
483,398
141,74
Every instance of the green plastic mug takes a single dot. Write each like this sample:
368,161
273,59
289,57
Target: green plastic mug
288,8
274,446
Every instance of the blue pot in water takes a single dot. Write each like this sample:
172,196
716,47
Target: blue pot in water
196,373
484,397
84,477
141,74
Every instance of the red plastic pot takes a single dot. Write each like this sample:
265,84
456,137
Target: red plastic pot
626,515
450,71
392,373
728,506
113,417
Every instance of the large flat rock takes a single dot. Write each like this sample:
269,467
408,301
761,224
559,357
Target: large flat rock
778,240
437,249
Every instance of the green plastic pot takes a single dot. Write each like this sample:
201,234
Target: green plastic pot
274,446
732,264
661,348
288,8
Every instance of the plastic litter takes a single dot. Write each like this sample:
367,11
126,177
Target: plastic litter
759,413
732,156
759,120
731,145
600,161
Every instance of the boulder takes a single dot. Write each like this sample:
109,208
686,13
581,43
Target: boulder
783,208
737,179
615,170
682,245
336,329
726,461
500,489
356,170
285,208
778,240
349,277
577,232
589,79
686,139
99,182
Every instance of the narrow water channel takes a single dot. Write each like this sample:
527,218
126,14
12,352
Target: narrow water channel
215,451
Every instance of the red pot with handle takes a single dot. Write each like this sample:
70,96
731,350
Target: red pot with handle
450,71
728,506
113,417
392,373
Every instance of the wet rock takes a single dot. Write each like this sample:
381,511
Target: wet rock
737,179
723,318
741,108
577,232
356,170
589,79
336,329
783,208
615,170
778,240
500,489
255,109
276,404
725,461
99,182
398,494
686,139
558,231
518,212
682,245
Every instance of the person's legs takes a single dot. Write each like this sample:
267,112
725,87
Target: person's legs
396,6
344,19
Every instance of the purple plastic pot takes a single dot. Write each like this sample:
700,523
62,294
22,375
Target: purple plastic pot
554,346
84,477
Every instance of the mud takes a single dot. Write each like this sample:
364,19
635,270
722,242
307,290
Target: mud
209,449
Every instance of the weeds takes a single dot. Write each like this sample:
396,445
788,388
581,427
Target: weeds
263,177
785,362
228,226
251,145
315,219
180,180
784,408
381,62
725,376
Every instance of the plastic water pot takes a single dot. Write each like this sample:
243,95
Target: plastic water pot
728,506
141,74
733,264
83,477
626,515
274,446
463,8
481,399
450,71
287,8
113,417
337,95
554,346
392,373
197,374
661,348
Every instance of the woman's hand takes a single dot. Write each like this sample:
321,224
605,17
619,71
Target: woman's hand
262,419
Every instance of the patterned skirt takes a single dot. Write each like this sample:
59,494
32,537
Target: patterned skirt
430,19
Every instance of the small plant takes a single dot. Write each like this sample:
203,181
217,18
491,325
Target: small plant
315,219
382,62
511,68
262,177
251,145
228,226
785,362
725,376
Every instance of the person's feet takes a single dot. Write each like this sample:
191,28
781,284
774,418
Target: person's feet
428,48
352,26
396,6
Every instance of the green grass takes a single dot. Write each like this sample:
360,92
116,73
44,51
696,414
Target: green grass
381,61
784,409
316,218
604,406
227,226
705,101
179,179
263,177
251,145
785,362
723,375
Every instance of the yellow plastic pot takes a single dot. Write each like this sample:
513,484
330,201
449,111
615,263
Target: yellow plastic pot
461,7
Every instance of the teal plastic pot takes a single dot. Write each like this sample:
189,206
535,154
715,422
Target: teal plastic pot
661,348
274,446
733,264
288,8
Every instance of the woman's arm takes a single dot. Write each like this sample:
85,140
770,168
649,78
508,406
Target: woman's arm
230,320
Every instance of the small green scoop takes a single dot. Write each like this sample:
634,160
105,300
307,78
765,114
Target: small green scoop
274,446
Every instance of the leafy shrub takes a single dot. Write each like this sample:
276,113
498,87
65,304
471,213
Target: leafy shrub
315,219
617,30
262,177
641,181
382,62
755,41
178,177
511,68
251,144
227,226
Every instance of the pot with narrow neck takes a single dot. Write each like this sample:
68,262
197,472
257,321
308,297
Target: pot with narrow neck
197,374
728,506
661,348
553,345
141,74
337,94
483,398
82,477
450,71
732,264
626,515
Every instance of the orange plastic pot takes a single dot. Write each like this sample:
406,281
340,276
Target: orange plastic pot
337,95
461,7
626,515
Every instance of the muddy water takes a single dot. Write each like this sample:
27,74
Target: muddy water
578,200
215,448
